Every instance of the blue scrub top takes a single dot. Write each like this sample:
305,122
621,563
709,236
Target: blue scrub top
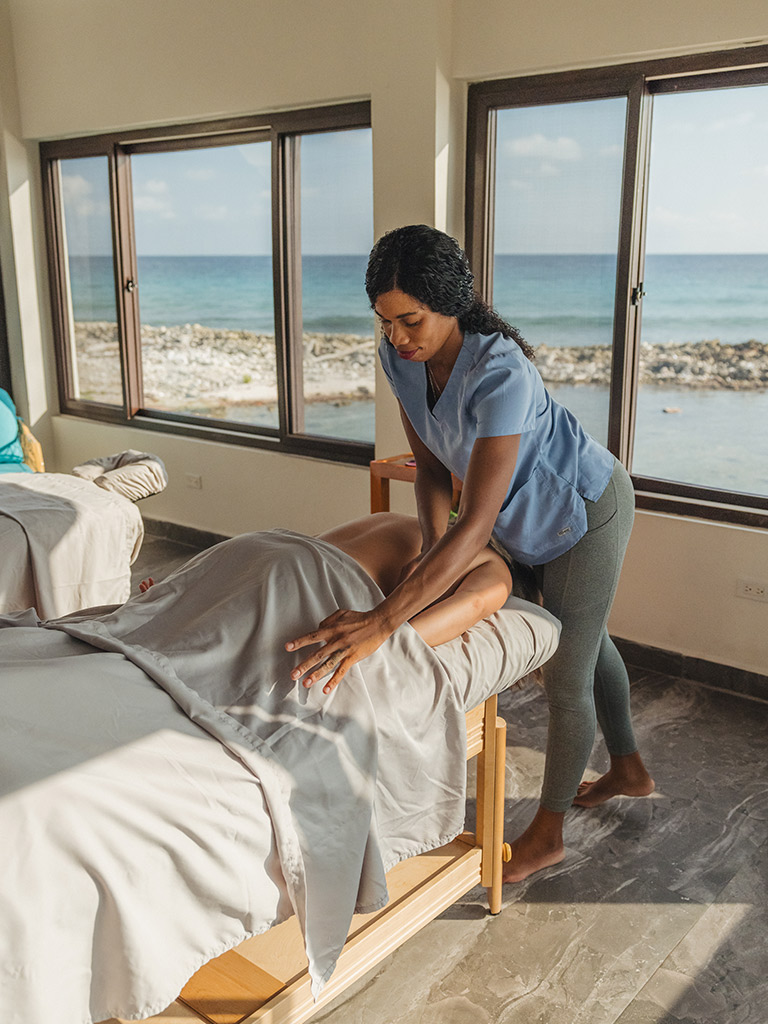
494,390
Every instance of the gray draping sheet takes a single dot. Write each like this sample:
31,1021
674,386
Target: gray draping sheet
65,544
168,790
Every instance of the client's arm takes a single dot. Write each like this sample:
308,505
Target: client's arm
387,541
482,592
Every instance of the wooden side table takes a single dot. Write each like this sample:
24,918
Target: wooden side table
397,467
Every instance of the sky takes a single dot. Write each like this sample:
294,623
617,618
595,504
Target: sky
558,175
558,182
217,200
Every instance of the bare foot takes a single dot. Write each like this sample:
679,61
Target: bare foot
627,776
540,846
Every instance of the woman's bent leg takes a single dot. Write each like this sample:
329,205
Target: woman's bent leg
627,775
578,587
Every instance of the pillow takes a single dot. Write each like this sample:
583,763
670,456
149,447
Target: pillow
132,474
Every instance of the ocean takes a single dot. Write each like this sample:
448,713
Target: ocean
553,300
718,438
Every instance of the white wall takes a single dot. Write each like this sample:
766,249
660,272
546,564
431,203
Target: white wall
85,66
240,491
22,256
495,38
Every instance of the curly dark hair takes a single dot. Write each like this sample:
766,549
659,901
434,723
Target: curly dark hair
433,268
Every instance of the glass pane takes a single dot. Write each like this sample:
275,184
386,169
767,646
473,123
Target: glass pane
702,414
556,231
204,241
90,295
336,237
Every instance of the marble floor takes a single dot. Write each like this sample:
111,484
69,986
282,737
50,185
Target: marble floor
659,913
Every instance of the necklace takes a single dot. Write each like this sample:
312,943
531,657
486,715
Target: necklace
433,385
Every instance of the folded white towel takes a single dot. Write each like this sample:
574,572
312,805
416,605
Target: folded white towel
132,474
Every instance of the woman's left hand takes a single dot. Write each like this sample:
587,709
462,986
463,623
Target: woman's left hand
347,637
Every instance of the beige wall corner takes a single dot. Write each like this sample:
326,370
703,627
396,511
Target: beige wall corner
23,273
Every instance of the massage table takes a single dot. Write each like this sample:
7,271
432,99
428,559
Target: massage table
266,979
175,800
67,541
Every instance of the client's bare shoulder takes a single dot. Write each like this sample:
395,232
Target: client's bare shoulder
381,543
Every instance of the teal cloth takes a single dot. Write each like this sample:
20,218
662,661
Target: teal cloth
11,454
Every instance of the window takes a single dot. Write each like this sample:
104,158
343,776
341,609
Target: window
617,216
556,231
210,279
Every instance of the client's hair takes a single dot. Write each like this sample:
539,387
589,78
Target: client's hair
433,268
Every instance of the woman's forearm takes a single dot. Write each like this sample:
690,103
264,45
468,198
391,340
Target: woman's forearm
434,495
439,569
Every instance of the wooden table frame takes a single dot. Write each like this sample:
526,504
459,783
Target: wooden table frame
397,467
265,979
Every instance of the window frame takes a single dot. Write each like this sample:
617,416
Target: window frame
283,130
638,83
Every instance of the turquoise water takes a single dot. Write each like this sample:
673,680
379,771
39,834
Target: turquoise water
553,300
719,438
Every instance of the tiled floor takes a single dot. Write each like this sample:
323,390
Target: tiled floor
659,913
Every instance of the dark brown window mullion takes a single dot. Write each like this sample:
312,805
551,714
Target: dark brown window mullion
126,280
481,179
629,275
56,251
286,268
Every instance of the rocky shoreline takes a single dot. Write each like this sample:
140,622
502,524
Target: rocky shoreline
703,364
188,366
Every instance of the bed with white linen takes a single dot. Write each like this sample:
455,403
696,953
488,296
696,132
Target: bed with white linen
67,541
168,792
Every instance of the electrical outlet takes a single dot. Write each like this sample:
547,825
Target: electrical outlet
194,480
755,590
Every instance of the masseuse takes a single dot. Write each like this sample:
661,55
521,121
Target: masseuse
473,404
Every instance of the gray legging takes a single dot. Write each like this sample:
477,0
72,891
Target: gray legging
586,677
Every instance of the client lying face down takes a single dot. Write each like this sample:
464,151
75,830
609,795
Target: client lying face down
387,546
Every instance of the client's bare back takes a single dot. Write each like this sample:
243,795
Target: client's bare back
384,543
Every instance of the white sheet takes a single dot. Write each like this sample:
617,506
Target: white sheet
65,544
145,841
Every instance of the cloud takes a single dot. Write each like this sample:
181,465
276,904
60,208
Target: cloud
156,187
75,186
257,154
209,211
78,197
725,124
549,169
541,147
200,174
154,205
517,185
662,215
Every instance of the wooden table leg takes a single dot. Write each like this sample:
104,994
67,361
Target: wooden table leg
494,892
379,493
